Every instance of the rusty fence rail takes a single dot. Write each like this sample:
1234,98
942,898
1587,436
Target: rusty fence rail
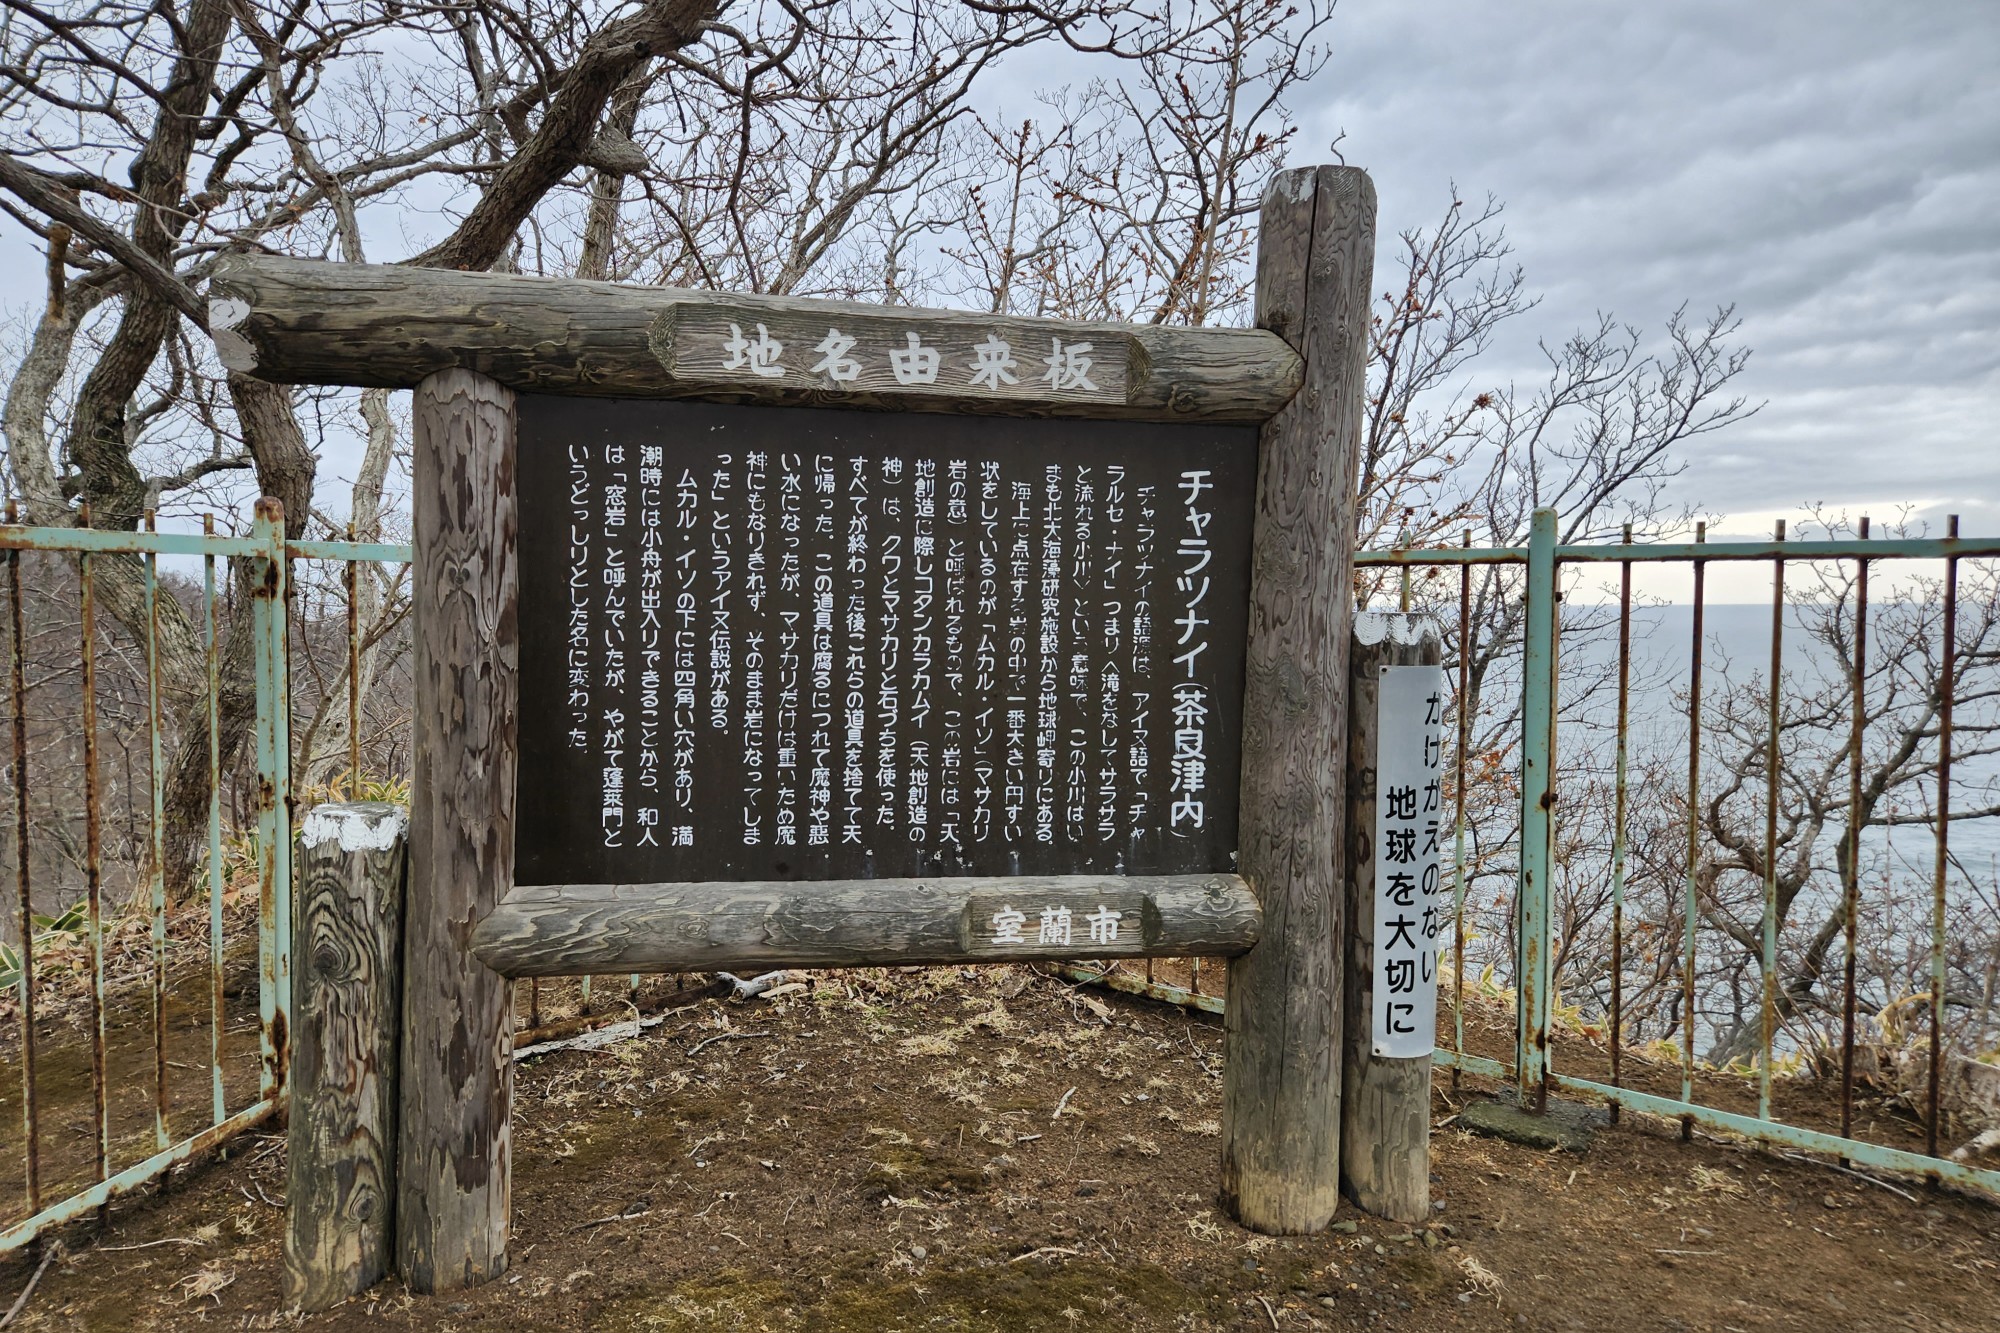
1514,620
167,1077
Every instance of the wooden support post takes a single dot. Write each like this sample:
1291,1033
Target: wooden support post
457,1072
347,945
1385,1103
1281,1082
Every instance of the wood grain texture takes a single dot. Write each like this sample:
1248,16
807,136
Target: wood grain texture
1385,1105
302,321
457,1077
347,946
579,929
1281,1083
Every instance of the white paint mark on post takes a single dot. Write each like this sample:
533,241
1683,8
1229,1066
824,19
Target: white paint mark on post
1409,906
371,827
1371,627
235,351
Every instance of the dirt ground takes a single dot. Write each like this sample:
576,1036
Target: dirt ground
1002,1150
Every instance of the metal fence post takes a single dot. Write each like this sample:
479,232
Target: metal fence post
1537,799
274,819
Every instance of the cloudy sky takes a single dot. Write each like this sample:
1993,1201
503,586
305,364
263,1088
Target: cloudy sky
1831,169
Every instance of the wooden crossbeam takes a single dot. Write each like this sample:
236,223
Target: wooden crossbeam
306,321
580,929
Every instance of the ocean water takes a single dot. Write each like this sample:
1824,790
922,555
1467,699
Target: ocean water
1897,863
1736,657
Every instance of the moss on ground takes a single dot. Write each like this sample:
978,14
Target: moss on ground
907,1169
994,1295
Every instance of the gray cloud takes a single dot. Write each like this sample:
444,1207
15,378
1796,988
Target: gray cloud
1831,169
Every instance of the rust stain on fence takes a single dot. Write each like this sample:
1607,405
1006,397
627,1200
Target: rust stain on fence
270,553
1768,961
1618,814
1692,907
157,776
353,581
100,1195
1947,687
1851,884
93,865
1681,994
269,605
218,1102
31,1134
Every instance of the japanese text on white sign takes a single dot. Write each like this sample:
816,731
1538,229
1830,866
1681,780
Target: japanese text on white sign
1409,812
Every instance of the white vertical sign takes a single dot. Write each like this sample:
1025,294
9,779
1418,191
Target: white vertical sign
1409,813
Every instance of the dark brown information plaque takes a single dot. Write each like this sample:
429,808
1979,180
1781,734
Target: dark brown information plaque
805,643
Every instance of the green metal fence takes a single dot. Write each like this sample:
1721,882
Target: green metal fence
184,1120
1536,576
182,1126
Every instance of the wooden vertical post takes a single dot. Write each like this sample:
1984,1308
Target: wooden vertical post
457,1069
1385,1103
347,963
1281,1083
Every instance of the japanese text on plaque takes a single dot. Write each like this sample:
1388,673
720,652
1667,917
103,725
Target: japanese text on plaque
801,643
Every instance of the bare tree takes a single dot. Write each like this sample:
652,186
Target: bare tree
1596,439
1817,822
1455,289
1134,197
241,125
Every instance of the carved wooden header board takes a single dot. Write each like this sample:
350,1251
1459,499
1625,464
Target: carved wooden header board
999,360
792,643
299,321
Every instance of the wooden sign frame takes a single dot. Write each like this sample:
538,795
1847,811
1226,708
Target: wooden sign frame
467,341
